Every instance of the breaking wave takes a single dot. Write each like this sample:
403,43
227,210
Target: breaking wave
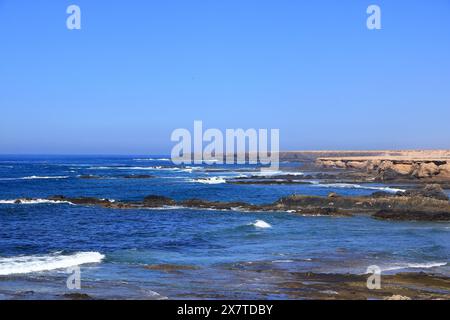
426,265
36,178
38,263
356,186
261,224
152,159
33,201
212,180
270,173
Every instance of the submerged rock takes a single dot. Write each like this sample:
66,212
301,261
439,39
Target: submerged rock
138,176
170,267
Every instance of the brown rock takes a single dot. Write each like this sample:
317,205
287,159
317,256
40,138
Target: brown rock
444,170
333,195
340,164
357,164
426,170
404,169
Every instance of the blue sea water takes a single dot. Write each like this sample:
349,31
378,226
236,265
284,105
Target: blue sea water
215,249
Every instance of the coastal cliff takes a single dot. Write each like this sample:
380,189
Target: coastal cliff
434,165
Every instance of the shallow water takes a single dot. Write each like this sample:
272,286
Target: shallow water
213,246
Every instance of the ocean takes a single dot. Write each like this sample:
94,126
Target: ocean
179,253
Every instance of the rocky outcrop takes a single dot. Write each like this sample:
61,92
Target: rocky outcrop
154,201
429,203
430,191
393,169
444,171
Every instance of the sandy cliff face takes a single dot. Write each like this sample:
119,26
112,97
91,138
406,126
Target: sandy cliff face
387,169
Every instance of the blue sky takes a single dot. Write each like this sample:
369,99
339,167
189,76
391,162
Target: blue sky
137,70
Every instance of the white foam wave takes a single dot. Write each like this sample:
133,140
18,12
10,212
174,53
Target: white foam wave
38,263
212,180
33,201
356,186
270,173
152,159
189,169
261,224
401,266
153,168
36,178
45,177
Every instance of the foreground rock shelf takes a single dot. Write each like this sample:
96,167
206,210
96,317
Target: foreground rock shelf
427,204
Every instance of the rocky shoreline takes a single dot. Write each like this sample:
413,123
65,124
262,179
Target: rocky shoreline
388,169
427,204
333,286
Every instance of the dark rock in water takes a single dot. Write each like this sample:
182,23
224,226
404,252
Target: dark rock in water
89,176
413,215
169,267
158,201
77,296
138,176
430,191
196,203
81,200
18,201
383,194
429,203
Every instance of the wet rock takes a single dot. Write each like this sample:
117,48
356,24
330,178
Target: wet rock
138,176
429,203
89,176
158,201
430,191
196,203
77,296
81,200
414,215
384,194
170,267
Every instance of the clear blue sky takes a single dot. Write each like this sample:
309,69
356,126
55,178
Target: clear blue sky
139,69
